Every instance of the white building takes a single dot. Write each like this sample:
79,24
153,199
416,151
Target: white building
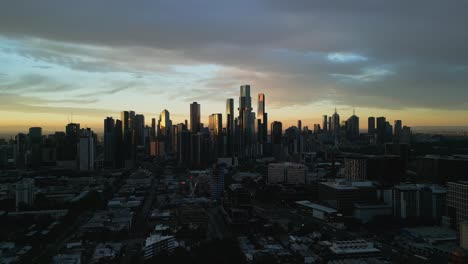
156,244
24,192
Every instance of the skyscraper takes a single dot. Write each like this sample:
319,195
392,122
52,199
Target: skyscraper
86,150
153,128
325,123
381,130
118,145
140,129
230,127
35,142
335,123
72,136
109,142
299,125
165,130
195,117
397,127
276,132
371,125
245,124
215,125
164,124
261,106
352,128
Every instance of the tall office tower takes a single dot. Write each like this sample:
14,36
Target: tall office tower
20,150
164,124
127,133
252,136
325,123
261,106
299,125
72,136
276,139
276,132
109,141
245,124
388,132
164,129
335,123
184,148
352,128
215,126
195,117
398,129
35,142
86,150
153,128
405,135
139,127
24,193
118,145
381,130
371,125
230,127
262,121
125,118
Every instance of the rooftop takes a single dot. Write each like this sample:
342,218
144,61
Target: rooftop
316,206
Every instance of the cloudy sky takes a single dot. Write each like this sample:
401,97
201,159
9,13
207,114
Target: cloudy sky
91,59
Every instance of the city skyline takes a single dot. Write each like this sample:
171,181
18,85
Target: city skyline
308,58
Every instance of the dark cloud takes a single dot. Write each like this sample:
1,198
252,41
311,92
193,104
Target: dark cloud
411,51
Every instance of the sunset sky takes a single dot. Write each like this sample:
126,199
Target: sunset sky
91,59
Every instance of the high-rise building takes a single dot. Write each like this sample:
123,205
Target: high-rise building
215,125
86,150
371,125
381,130
276,132
262,123
325,123
245,122
355,168
299,125
195,117
20,150
153,128
261,106
127,118
109,141
397,133
352,127
118,145
140,129
230,127
35,144
335,124
405,135
164,124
